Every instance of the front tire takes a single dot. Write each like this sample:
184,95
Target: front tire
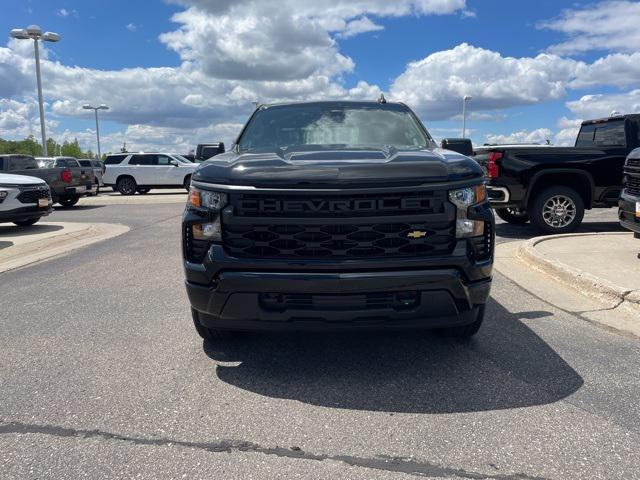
514,216
466,331
208,334
187,183
26,223
68,202
126,185
557,210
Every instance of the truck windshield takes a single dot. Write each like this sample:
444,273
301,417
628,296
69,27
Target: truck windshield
327,125
610,134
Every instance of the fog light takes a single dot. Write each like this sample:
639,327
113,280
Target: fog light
469,228
207,231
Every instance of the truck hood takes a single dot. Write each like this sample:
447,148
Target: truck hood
11,179
337,168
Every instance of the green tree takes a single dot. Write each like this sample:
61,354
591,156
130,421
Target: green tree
29,146
71,149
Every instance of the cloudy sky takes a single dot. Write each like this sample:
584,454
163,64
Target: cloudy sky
177,72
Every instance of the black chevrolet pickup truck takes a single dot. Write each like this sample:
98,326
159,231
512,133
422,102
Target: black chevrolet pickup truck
552,186
337,215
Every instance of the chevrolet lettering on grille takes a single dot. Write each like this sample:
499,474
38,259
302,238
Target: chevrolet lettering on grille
332,206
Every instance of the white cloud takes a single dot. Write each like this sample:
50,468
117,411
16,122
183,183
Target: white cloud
249,39
609,26
602,105
539,136
568,132
131,27
620,70
64,12
358,26
19,119
436,84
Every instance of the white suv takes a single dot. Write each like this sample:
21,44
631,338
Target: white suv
140,172
23,200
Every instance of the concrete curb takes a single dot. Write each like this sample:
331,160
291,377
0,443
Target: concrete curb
149,199
18,256
577,279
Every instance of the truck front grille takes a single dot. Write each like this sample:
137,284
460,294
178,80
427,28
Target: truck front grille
33,194
367,301
632,176
358,226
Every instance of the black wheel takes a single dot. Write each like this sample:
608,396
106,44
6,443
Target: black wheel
68,202
466,331
187,183
97,189
557,210
26,223
143,191
513,215
126,186
209,334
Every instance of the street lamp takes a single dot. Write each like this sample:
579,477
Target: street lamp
465,99
95,109
34,33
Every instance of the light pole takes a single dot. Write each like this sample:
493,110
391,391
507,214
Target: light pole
95,109
34,33
465,99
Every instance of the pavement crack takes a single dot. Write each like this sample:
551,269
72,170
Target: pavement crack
385,463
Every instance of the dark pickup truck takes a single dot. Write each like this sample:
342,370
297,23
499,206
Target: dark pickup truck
552,186
67,180
334,216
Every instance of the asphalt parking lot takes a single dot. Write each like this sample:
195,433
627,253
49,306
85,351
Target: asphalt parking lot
103,376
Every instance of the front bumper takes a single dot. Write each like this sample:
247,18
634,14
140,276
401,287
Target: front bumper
232,293
627,212
24,213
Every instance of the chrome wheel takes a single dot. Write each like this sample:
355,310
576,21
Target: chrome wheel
559,211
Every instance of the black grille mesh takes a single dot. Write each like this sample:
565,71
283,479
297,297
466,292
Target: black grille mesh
632,176
32,196
339,240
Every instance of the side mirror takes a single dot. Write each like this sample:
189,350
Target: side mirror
175,163
460,145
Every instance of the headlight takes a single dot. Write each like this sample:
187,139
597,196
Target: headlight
208,199
212,201
463,198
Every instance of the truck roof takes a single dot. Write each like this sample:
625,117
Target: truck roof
369,103
631,116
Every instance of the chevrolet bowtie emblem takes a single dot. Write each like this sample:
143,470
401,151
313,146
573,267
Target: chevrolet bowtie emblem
417,234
